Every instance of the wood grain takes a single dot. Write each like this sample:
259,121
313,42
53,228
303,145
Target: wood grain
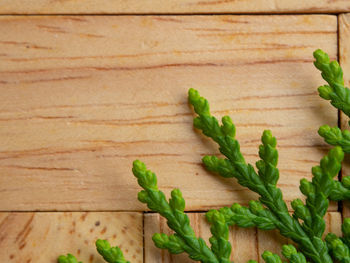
83,96
42,237
171,6
246,243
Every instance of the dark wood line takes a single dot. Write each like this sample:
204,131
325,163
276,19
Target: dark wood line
170,65
26,226
262,13
273,47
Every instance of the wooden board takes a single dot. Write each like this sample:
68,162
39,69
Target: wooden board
42,237
246,243
82,97
171,6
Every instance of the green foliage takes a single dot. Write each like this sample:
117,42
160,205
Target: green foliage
341,190
253,216
333,74
184,239
110,254
269,257
335,136
338,94
219,240
338,249
346,231
67,259
290,252
271,212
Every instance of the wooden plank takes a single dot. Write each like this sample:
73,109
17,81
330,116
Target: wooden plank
271,241
82,97
42,237
334,221
344,57
243,241
246,243
170,6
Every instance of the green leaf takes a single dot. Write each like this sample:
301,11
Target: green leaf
172,243
177,202
110,254
346,231
220,166
271,258
339,191
267,166
335,91
301,211
220,233
67,259
338,249
335,136
290,252
254,216
317,193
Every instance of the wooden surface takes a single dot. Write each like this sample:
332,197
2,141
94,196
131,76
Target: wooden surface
171,6
82,97
41,237
246,244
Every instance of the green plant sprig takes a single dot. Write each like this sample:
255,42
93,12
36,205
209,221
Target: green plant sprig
332,73
67,259
339,96
109,254
338,249
336,137
307,235
184,239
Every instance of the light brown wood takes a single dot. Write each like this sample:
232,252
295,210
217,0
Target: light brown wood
42,237
243,241
83,96
271,241
170,6
334,221
246,243
344,57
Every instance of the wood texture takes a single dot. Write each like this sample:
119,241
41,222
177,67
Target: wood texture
344,60
83,96
42,237
246,243
170,6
